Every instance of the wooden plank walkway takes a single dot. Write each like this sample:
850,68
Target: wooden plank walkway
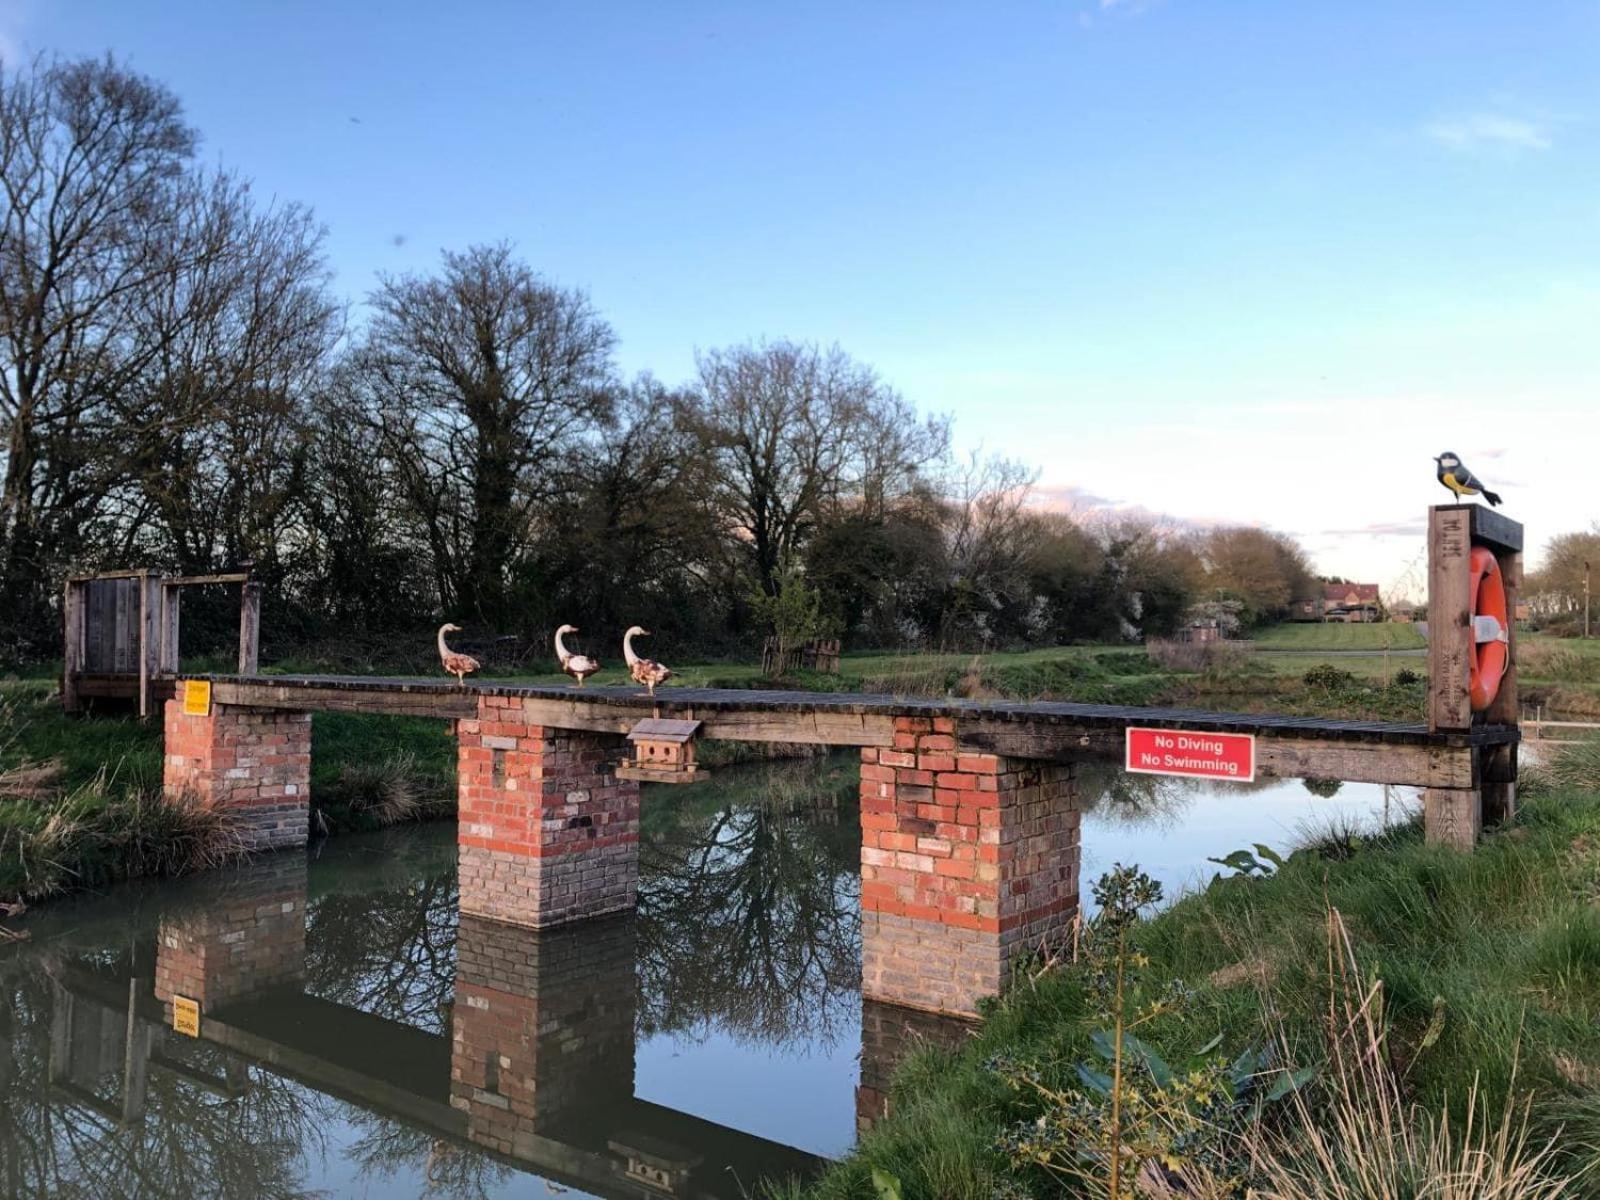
1357,751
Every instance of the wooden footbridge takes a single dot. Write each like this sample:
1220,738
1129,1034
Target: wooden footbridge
970,818
1045,730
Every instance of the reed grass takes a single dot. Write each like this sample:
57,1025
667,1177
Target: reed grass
102,832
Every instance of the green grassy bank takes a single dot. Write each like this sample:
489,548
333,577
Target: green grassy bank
81,803
1478,970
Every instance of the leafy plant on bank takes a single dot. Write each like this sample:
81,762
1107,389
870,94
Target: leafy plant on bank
1242,862
1136,1122
794,613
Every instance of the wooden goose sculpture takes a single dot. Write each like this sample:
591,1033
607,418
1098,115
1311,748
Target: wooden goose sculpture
643,670
579,666
459,665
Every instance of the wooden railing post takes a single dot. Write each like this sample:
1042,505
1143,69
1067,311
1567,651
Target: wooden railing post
1449,617
73,631
1455,816
249,629
170,607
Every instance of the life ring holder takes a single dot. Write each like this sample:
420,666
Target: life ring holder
1491,629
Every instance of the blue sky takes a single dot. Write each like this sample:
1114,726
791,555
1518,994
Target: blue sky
1221,261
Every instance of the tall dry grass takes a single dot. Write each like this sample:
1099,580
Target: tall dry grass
103,831
1573,765
1541,660
1359,1137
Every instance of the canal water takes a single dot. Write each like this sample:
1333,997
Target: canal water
357,1037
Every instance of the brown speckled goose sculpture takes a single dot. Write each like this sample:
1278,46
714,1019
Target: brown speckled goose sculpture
643,670
459,665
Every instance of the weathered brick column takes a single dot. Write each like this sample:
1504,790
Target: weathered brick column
968,861
547,833
250,938
541,1032
253,761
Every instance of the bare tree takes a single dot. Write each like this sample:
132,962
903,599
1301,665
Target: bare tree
630,531
235,332
990,536
90,155
794,431
480,379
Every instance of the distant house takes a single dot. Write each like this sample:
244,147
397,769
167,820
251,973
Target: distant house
1353,603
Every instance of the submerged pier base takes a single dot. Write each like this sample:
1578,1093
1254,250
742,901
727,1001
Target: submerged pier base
969,862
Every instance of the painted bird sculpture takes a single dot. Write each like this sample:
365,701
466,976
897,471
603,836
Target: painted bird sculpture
459,665
1453,474
643,670
579,666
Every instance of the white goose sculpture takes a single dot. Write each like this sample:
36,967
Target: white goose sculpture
579,666
643,670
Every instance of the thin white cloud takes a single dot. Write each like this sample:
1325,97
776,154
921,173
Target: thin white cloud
1492,131
1408,529
1111,9
13,48
1068,497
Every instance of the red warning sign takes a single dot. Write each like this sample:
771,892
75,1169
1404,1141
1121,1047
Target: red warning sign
1185,752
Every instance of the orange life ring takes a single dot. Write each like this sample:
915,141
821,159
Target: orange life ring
1491,630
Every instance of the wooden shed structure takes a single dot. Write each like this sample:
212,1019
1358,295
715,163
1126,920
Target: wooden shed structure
121,634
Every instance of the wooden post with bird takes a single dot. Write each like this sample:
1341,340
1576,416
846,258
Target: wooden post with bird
1474,573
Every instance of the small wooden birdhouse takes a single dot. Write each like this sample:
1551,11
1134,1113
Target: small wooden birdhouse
663,752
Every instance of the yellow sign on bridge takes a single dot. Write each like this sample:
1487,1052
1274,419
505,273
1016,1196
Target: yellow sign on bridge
197,697
186,1016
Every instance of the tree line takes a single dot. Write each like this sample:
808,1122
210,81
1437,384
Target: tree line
180,388
1566,588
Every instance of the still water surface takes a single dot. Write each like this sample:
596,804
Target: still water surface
359,1038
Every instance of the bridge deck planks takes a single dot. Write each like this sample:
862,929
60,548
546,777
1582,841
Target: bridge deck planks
1358,751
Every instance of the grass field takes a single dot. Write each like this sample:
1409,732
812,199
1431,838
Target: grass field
1315,636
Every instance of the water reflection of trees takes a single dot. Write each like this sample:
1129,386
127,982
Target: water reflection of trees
388,1149
1134,800
1125,798
389,952
747,921
748,913
58,1142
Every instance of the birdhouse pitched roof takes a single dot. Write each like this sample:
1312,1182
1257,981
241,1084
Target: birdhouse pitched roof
658,729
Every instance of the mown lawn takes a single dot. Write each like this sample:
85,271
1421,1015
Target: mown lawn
1315,636
857,672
